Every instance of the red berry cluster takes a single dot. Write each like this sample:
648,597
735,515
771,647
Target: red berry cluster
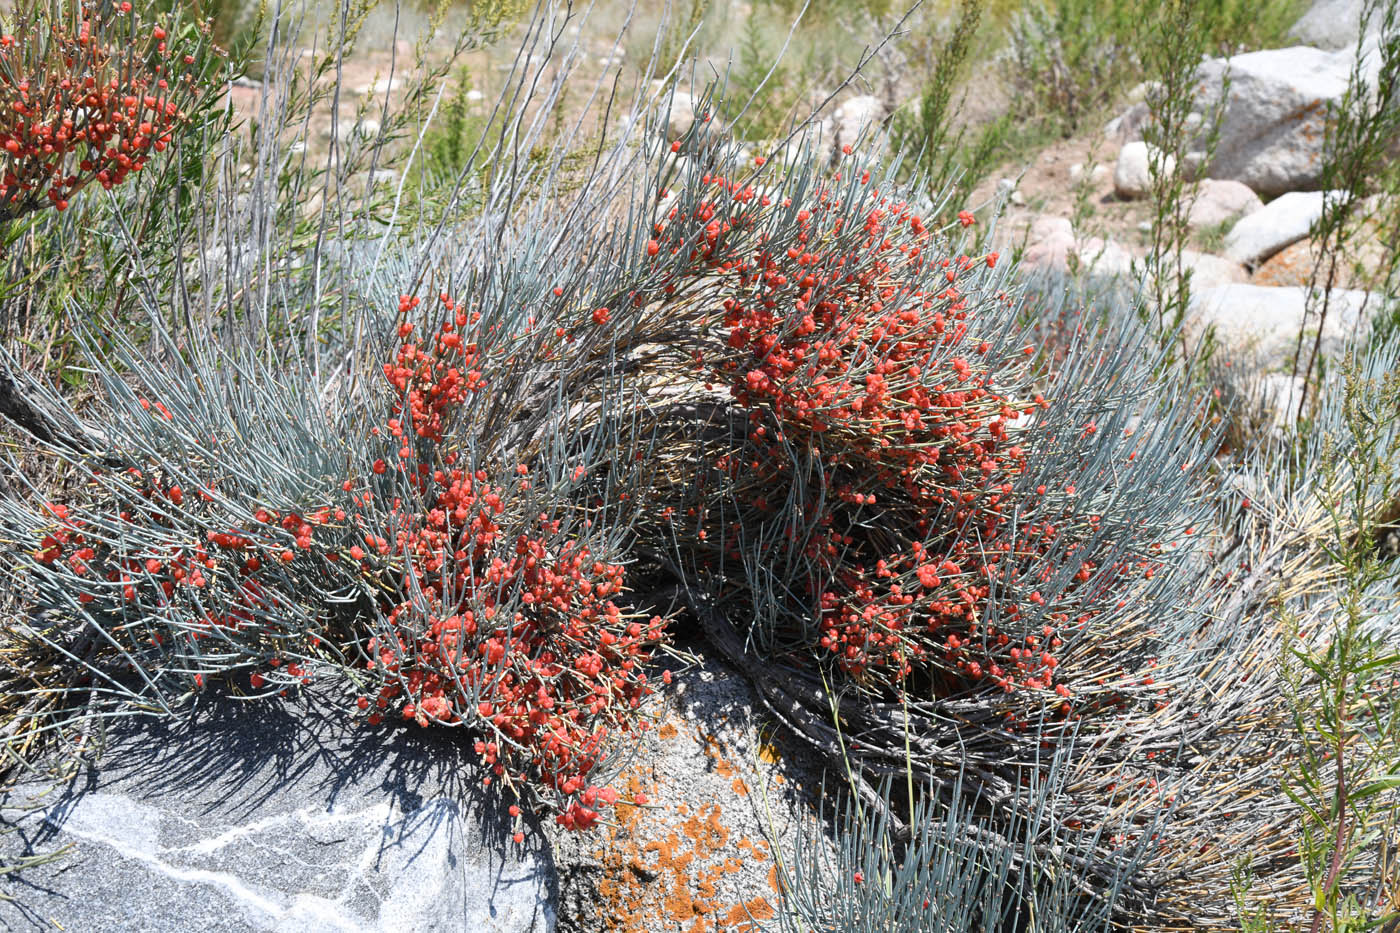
204,602
501,620
85,98
491,612
883,452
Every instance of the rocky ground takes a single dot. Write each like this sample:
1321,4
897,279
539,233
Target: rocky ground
256,816
1087,202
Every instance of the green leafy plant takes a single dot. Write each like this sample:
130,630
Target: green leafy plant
1341,664
1069,58
1181,141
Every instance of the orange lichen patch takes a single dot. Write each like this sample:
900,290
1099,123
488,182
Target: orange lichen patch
713,751
768,753
740,787
708,834
1292,266
755,909
758,852
667,731
655,868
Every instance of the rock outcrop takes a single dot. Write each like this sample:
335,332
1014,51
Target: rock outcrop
726,793
1220,201
1257,327
1276,115
1334,24
1281,222
1273,119
270,816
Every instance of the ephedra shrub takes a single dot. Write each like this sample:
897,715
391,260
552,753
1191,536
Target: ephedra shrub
455,587
89,93
962,541
900,497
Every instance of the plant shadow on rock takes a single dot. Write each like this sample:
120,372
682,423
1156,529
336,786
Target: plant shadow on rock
361,826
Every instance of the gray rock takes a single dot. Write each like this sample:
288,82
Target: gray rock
1221,200
1281,222
271,817
728,792
1257,326
1276,116
1334,24
1275,119
681,115
1207,271
1128,125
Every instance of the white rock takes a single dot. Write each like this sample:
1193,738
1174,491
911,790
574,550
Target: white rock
1277,113
1257,326
681,116
1132,176
1284,220
1052,243
1219,200
379,88
1104,257
858,117
1275,399
1207,271
1006,189
1334,24
1193,163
